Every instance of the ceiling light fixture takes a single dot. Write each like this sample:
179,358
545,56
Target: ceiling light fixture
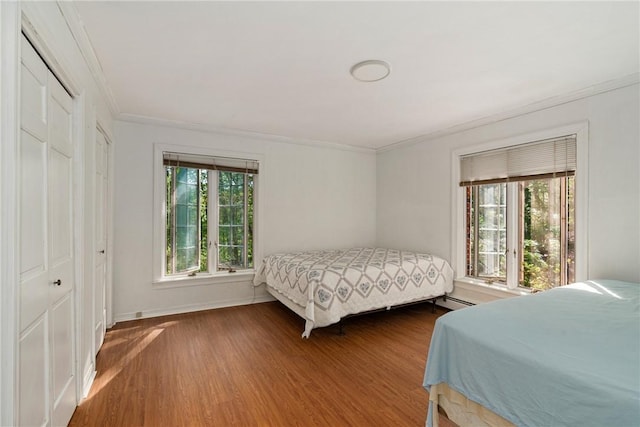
372,70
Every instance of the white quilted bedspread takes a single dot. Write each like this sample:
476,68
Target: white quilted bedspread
332,284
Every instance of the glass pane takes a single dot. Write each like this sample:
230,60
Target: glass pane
249,242
224,180
237,179
237,195
231,228
571,230
223,257
224,216
202,211
192,194
181,193
224,198
231,256
181,237
181,175
180,260
547,216
185,221
192,176
169,218
237,215
490,241
238,235
236,259
225,235
181,214
193,212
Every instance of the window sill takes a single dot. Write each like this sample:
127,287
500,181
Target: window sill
204,279
494,289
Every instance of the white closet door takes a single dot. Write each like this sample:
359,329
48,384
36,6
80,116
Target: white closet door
60,178
46,357
34,273
101,192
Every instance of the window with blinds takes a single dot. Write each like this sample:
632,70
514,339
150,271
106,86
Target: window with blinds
209,203
520,213
537,160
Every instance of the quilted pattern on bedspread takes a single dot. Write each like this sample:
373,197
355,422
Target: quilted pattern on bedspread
333,284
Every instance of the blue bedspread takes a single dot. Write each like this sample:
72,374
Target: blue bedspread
569,356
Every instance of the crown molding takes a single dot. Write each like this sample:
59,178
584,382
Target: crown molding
199,127
628,80
79,33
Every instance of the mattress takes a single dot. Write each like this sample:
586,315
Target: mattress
565,357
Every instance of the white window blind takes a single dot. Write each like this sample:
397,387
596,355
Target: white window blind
541,159
196,161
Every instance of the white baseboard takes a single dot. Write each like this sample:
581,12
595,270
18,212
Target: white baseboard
87,381
123,317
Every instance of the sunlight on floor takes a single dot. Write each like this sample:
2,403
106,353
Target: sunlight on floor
105,378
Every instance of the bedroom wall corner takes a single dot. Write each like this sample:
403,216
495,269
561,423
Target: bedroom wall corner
313,197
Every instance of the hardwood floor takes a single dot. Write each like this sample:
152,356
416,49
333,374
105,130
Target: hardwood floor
248,366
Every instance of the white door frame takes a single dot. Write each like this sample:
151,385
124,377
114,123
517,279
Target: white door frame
9,173
109,224
108,217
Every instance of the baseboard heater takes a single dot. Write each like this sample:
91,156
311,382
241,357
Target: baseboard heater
453,303
459,301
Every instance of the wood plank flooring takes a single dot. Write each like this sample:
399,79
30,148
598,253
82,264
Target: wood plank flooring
248,366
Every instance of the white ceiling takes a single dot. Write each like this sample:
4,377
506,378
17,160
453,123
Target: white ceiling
282,68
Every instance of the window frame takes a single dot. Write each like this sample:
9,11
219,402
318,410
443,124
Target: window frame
160,278
458,206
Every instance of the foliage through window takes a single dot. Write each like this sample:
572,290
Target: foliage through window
544,251
520,226
209,217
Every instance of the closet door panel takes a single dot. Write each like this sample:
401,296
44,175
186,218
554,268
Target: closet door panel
62,361
34,289
33,87
34,386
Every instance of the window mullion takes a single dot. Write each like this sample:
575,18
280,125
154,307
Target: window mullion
173,219
244,222
564,246
212,221
513,233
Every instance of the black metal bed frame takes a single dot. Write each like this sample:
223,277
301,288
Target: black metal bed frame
378,310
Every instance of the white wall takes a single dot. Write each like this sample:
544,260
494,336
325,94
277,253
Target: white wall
414,181
314,197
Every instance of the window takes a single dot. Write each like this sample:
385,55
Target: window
209,214
519,214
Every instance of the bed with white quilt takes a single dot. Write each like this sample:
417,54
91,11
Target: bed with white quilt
569,356
325,286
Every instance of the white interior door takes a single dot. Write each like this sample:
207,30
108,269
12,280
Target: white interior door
101,194
46,343
61,262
